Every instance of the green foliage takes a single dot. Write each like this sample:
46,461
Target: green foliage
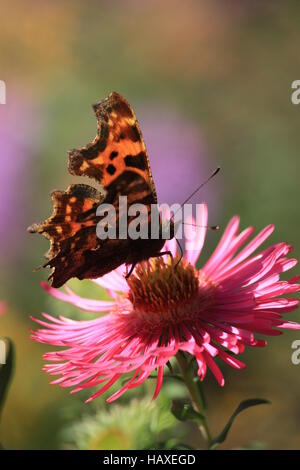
6,371
253,445
140,424
242,406
185,412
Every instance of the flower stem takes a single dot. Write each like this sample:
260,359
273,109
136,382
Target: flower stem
195,394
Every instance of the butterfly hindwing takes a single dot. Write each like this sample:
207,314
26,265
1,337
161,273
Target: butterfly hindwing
75,249
73,211
85,257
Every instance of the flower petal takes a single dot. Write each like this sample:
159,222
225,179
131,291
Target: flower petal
195,236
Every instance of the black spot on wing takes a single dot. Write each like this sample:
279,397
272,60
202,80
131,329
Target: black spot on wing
111,169
136,161
113,155
133,133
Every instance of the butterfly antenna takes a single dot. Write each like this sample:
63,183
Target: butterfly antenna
214,173
209,227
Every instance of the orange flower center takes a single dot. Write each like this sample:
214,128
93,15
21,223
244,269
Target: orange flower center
163,294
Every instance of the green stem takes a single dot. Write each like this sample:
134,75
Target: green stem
196,398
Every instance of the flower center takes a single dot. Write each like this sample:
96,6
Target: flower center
164,294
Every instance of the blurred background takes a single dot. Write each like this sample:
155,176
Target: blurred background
211,85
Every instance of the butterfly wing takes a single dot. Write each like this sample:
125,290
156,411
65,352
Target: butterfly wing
117,159
117,152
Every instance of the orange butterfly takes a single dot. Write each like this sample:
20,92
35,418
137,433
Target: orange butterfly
117,159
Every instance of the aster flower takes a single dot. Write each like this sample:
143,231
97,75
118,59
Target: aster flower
166,310
109,428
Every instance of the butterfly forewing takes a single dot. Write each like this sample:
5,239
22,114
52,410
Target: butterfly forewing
117,150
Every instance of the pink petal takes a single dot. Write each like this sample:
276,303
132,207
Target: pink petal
195,236
88,305
223,245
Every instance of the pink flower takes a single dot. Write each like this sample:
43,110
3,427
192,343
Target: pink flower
2,307
164,308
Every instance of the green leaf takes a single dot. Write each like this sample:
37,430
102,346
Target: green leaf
6,373
181,446
185,412
201,391
242,406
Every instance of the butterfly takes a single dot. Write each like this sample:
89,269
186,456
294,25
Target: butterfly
117,159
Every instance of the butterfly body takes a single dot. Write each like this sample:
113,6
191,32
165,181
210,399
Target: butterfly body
117,159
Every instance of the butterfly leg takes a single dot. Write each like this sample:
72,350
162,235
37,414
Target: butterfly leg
130,271
181,252
161,253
